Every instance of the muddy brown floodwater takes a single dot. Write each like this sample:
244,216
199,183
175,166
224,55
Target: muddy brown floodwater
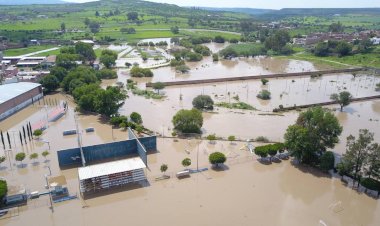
244,192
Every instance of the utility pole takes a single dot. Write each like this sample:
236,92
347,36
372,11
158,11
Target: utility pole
50,198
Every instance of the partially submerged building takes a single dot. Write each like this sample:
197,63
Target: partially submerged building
109,165
16,96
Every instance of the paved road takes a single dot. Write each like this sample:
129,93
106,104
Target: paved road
38,52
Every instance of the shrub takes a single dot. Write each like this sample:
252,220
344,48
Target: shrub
163,168
231,138
370,183
37,132
136,71
211,137
234,40
182,68
175,63
117,120
45,154
264,81
136,118
2,159
33,156
262,139
264,95
106,74
3,189
215,57
217,158
194,56
186,162
20,156
327,161
203,102
219,39
203,50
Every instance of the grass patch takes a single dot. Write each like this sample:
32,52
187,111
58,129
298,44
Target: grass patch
148,94
210,34
238,105
361,60
26,50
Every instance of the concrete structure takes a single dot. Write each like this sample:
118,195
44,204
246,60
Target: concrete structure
375,41
16,96
111,174
116,168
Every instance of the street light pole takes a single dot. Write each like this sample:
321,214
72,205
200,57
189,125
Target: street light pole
50,198
198,157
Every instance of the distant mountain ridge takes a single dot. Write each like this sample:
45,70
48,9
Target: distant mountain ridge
251,11
30,2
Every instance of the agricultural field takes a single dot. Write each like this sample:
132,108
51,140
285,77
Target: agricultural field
371,59
30,49
20,23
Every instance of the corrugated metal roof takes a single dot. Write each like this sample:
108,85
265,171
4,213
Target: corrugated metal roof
12,90
110,168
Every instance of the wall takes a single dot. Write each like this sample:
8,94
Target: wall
14,105
106,152
253,77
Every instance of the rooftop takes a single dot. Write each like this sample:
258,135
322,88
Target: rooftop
110,168
12,90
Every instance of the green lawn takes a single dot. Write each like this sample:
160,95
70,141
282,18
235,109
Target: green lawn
363,60
22,51
49,53
210,34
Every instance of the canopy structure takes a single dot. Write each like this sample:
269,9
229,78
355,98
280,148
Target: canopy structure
111,174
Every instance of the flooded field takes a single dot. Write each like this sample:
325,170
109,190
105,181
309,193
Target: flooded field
245,192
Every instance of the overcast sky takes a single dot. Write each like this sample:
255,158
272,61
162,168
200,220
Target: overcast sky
271,4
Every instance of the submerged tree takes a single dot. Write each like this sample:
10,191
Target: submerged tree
315,130
343,99
217,158
186,162
188,121
203,102
158,86
163,168
356,153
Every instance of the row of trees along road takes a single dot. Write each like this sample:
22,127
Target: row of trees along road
362,160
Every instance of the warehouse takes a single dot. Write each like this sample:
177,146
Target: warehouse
16,96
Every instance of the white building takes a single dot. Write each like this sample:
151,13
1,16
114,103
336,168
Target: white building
375,41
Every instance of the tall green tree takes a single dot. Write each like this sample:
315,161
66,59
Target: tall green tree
50,83
85,50
63,27
356,154
133,16
108,58
373,161
188,121
58,72
158,86
315,130
343,99
108,102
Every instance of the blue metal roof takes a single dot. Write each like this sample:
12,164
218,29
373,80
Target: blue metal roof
12,90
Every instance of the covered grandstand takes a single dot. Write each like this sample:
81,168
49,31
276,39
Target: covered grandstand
109,165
